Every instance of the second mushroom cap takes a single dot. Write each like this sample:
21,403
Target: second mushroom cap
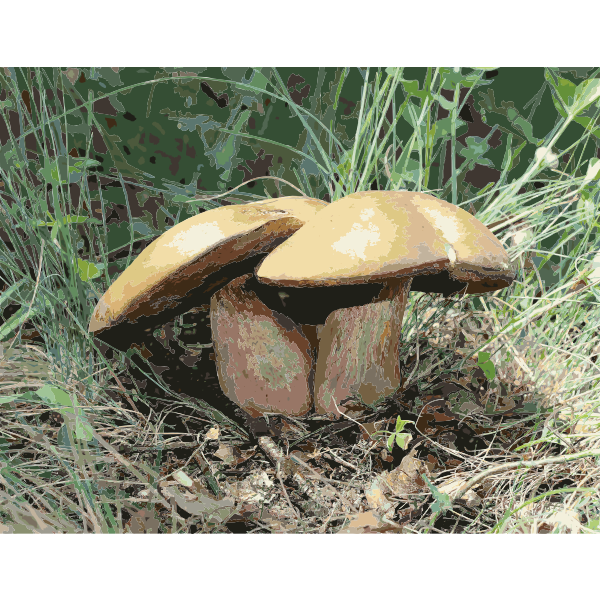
377,235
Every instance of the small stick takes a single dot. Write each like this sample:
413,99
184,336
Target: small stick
339,460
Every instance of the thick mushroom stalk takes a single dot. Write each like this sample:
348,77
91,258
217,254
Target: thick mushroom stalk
265,362
358,351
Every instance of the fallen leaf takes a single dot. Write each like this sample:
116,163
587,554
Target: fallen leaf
370,522
233,456
406,479
453,485
212,434
569,519
376,496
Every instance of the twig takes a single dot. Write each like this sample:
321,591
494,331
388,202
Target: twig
322,479
330,455
296,512
343,483
125,447
291,472
323,527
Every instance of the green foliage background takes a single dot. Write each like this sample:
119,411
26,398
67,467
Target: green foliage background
175,137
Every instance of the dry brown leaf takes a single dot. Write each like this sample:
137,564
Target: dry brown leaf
406,479
534,520
370,522
233,456
376,496
453,485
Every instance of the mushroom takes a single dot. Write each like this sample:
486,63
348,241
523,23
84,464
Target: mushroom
399,241
215,254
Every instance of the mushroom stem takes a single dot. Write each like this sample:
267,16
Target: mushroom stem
264,361
358,351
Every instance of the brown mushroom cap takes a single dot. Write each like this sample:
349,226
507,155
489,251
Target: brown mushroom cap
376,236
200,254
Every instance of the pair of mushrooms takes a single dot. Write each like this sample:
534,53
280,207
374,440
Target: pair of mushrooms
306,298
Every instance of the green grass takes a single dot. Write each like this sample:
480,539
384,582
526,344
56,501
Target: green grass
78,454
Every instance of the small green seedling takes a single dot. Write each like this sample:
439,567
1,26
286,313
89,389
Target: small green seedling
399,436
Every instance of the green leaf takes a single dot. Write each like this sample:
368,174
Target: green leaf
55,171
11,160
586,209
444,103
442,501
181,198
10,295
400,424
411,87
409,173
593,170
403,440
573,99
390,443
586,93
57,399
520,123
12,398
11,324
443,128
476,148
8,328
87,270
451,78
486,365
593,524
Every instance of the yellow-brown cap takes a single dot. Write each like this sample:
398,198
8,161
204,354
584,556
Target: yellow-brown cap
379,235
200,254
